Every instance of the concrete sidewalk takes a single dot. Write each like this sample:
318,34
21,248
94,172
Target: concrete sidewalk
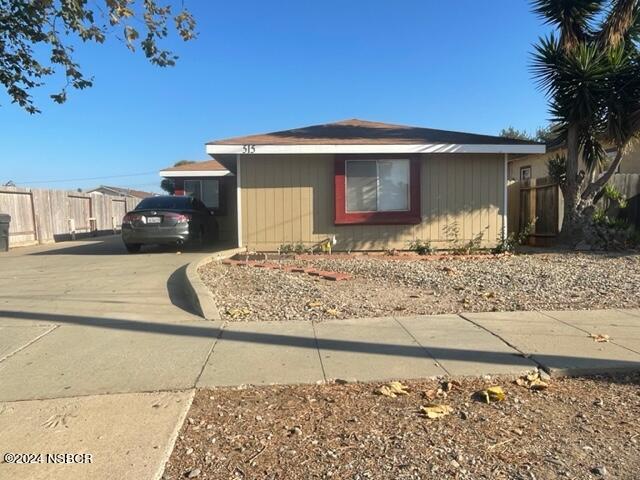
99,354
70,355
424,346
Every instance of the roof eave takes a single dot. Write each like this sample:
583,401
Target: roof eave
194,173
243,149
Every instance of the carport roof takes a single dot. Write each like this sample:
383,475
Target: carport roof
351,136
206,168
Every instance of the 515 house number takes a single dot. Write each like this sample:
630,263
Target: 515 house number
248,149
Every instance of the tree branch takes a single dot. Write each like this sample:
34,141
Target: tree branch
595,187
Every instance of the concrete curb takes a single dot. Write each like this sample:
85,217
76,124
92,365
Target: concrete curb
197,292
174,435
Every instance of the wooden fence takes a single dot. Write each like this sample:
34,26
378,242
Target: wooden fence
538,202
541,199
46,216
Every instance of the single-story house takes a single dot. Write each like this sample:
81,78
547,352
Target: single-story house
373,186
121,192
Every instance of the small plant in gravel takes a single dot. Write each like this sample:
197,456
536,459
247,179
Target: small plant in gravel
287,248
459,247
514,239
421,247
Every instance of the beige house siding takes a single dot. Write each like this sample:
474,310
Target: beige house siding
290,199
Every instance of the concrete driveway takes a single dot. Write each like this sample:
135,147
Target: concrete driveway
77,349
96,278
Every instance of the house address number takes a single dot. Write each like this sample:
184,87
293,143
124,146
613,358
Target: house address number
248,149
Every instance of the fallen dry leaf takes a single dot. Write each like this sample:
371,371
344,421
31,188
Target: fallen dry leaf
314,304
392,389
448,386
434,410
532,381
238,312
599,337
492,394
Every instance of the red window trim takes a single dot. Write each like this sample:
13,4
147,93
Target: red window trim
410,217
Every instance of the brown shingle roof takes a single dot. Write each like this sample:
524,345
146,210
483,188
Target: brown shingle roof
207,165
359,132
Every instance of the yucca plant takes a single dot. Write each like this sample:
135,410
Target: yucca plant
589,68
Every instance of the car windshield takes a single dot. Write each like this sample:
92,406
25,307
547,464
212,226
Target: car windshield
165,203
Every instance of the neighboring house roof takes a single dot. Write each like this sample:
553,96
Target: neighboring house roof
206,168
122,192
347,135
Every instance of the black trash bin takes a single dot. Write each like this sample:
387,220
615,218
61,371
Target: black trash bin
5,220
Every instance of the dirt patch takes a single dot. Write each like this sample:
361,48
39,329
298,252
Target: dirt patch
385,286
582,428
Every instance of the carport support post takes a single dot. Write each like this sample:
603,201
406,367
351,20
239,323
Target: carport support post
505,214
239,199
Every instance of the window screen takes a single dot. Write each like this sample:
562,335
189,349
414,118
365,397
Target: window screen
377,185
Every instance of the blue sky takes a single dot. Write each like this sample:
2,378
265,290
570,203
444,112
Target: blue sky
260,66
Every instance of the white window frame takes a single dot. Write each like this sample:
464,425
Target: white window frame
377,160
524,169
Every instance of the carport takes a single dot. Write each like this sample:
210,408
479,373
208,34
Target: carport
213,184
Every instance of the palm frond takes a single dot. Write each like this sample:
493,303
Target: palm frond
622,100
546,58
593,153
573,18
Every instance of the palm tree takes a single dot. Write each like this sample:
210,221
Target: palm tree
589,67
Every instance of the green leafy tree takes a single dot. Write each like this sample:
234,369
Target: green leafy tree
37,39
542,134
167,184
515,134
589,68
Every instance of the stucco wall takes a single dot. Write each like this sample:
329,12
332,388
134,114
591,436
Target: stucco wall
630,163
290,199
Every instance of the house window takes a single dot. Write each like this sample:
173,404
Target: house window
377,185
377,190
207,191
525,173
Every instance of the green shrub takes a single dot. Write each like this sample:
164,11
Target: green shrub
612,194
298,248
452,232
511,241
421,247
286,248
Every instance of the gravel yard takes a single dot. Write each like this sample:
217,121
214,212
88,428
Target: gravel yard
580,428
404,285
